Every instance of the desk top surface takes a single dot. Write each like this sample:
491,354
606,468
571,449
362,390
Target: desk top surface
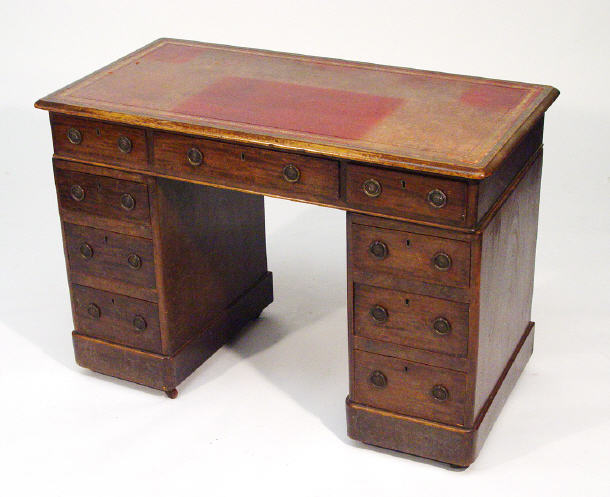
412,119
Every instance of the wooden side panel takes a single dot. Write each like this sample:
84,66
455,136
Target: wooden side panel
492,187
507,275
211,247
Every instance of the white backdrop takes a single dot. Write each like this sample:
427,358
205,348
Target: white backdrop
265,415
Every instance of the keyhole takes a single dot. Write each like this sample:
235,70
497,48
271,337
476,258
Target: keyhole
112,300
243,156
98,132
105,239
407,302
403,183
408,243
406,369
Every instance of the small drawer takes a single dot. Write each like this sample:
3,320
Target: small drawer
255,169
102,196
106,254
412,320
116,318
406,195
412,256
98,141
409,388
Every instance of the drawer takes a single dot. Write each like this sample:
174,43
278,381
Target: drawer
102,196
106,254
406,195
412,320
409,388
412,256
99,142
116,318
251,168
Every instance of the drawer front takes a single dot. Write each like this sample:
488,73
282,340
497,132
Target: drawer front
116,318
255,169
410,255
406,195
99,142
102,196
412,320
106,254
409,388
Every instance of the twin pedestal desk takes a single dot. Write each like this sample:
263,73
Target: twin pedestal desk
161,163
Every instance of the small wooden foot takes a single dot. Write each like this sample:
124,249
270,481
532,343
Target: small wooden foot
457,466
172,394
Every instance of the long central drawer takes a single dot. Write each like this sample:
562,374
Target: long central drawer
251,168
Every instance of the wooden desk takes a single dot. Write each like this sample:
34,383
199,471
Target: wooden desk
162,158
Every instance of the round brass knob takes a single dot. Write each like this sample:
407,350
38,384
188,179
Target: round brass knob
94,311
441,261
439,392
378,249
86,251
134,261
372,188
441,326
194,156
139,323
437,199
379,314
124,144
77,192
291,173
378,379
74,136
127,202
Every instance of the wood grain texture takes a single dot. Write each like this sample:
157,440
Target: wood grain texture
167,372
211,244
99,141
110,255
417,120
251,168
508,251
410,255
448,444
410,319
409,388
404,195
115,322
102,196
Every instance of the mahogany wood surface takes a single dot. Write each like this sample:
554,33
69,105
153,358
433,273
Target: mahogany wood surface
166,153
410,319
419,120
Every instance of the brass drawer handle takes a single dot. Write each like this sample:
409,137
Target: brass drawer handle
372,188
440,393
378,379
379,314
124,144
194,156
139,323
291,173
94,311
437,198
86,251
134,261
442,261
77,192
74,136
378,249
128,202
441,326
